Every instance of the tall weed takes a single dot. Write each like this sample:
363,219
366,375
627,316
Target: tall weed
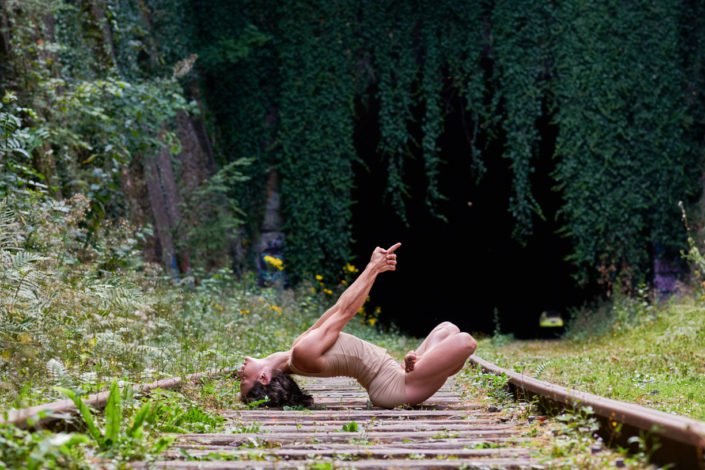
88,312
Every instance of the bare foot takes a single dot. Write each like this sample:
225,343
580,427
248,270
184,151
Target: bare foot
409,361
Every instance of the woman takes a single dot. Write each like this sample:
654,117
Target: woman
324,351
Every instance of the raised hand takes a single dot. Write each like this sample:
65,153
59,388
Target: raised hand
385,260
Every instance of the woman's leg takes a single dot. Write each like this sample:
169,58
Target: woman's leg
438,334
438,362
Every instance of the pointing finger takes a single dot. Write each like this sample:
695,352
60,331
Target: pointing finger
393,248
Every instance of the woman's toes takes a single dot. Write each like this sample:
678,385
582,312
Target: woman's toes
410,360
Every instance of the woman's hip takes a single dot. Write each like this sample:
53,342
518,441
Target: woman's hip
388,388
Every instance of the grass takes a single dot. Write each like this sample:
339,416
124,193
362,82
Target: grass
81,313
78,313
567,440
630,350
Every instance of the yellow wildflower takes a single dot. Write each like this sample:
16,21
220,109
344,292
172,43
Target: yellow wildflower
24,337
372,321
319,277
328,291
275,308
274,261
351,268
313,290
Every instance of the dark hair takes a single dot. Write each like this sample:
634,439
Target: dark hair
281,391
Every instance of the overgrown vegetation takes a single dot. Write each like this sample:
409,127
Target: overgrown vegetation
137,137
630,349
635,347
79,314
557,439
612,91
106,89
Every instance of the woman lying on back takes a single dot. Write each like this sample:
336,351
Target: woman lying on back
325,351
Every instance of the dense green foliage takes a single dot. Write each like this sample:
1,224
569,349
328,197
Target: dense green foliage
621,83
613,89
626,156
93,108
76,314
316,126
95,91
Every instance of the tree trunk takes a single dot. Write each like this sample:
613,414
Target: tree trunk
194,165
173,209
5,46
138,201
199,127
160,213
97,8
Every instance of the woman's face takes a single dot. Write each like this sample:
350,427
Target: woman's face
249,373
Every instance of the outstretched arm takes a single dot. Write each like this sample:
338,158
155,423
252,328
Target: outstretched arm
354,296
310,346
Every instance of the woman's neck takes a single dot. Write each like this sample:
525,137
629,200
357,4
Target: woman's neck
279,361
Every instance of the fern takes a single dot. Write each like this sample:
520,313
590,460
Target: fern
20,276
58,374
113,298
541,367
8,226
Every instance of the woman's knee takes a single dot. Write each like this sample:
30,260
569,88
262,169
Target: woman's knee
467,342
449,327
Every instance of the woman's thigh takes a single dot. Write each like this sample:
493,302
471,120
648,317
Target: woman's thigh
436,365
438,334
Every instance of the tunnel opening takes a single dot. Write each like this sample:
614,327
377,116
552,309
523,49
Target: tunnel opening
468,270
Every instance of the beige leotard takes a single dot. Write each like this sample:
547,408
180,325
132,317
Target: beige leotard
372,366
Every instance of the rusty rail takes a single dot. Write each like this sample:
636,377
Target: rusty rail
46,413
681,439
446,431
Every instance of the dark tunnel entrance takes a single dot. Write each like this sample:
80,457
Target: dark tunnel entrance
467,269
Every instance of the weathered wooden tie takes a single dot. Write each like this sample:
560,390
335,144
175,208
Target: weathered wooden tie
444,432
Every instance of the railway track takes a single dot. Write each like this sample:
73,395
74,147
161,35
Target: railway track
447,431
345,431
674,440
